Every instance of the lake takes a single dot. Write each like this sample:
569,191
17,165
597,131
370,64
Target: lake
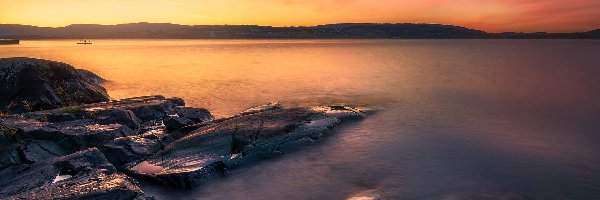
458,119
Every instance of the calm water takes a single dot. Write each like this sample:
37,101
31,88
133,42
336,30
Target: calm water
460,119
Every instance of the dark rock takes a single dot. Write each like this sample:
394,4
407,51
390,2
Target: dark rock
150,108
86,133
51,133
261,108
129,149
39,141
177,101
153,111
175,135
174,123
197,115
341,112
210,150
40,150
61,117
90,75
9,154
3,139
79,133
81,175
28,84
121,116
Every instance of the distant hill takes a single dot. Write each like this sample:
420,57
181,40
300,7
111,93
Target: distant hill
343,30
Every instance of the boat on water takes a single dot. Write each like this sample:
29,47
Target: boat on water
85,42
9,41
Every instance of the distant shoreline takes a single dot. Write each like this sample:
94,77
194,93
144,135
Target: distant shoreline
330,31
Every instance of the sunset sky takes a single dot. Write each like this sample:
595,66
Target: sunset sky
487,15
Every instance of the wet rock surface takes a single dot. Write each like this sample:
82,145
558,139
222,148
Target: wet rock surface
165,147
81,175
175,123
210,150
28,84
195,114
90,75
125,150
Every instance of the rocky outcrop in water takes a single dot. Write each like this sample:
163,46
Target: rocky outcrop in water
211,149
28,84
83,151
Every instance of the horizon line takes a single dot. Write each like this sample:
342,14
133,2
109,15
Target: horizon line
191,25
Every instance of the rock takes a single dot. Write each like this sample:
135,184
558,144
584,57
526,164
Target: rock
261,108
28,84
177,101
121,116
86,133
153,112
174,123
3,138
42,140
150,108
341,112
192,112
90,75
40,150
9,154
197,115
81,175
61,117
124,150
51,133
210,150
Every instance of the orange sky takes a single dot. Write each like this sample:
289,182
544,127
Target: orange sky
488,15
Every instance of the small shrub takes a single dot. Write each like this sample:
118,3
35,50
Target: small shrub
44,118
11,133
73,109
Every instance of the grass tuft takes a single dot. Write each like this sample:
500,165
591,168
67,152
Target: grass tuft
11,133
73,109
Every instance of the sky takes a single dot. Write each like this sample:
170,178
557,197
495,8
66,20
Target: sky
487,15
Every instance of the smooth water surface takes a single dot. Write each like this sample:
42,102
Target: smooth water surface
459,119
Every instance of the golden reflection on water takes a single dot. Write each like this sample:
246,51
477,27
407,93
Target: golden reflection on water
225,76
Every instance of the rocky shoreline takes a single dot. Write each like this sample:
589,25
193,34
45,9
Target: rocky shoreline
65,139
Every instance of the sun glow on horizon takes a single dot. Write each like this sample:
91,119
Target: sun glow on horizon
492,15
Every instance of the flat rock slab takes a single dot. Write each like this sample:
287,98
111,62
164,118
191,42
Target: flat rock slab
81,175
39,141
145,108
82,133
211,149
131,111
195,114
124,150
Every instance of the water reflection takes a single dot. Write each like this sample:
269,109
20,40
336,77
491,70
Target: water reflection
461,119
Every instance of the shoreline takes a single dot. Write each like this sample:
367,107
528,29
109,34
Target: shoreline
101,148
